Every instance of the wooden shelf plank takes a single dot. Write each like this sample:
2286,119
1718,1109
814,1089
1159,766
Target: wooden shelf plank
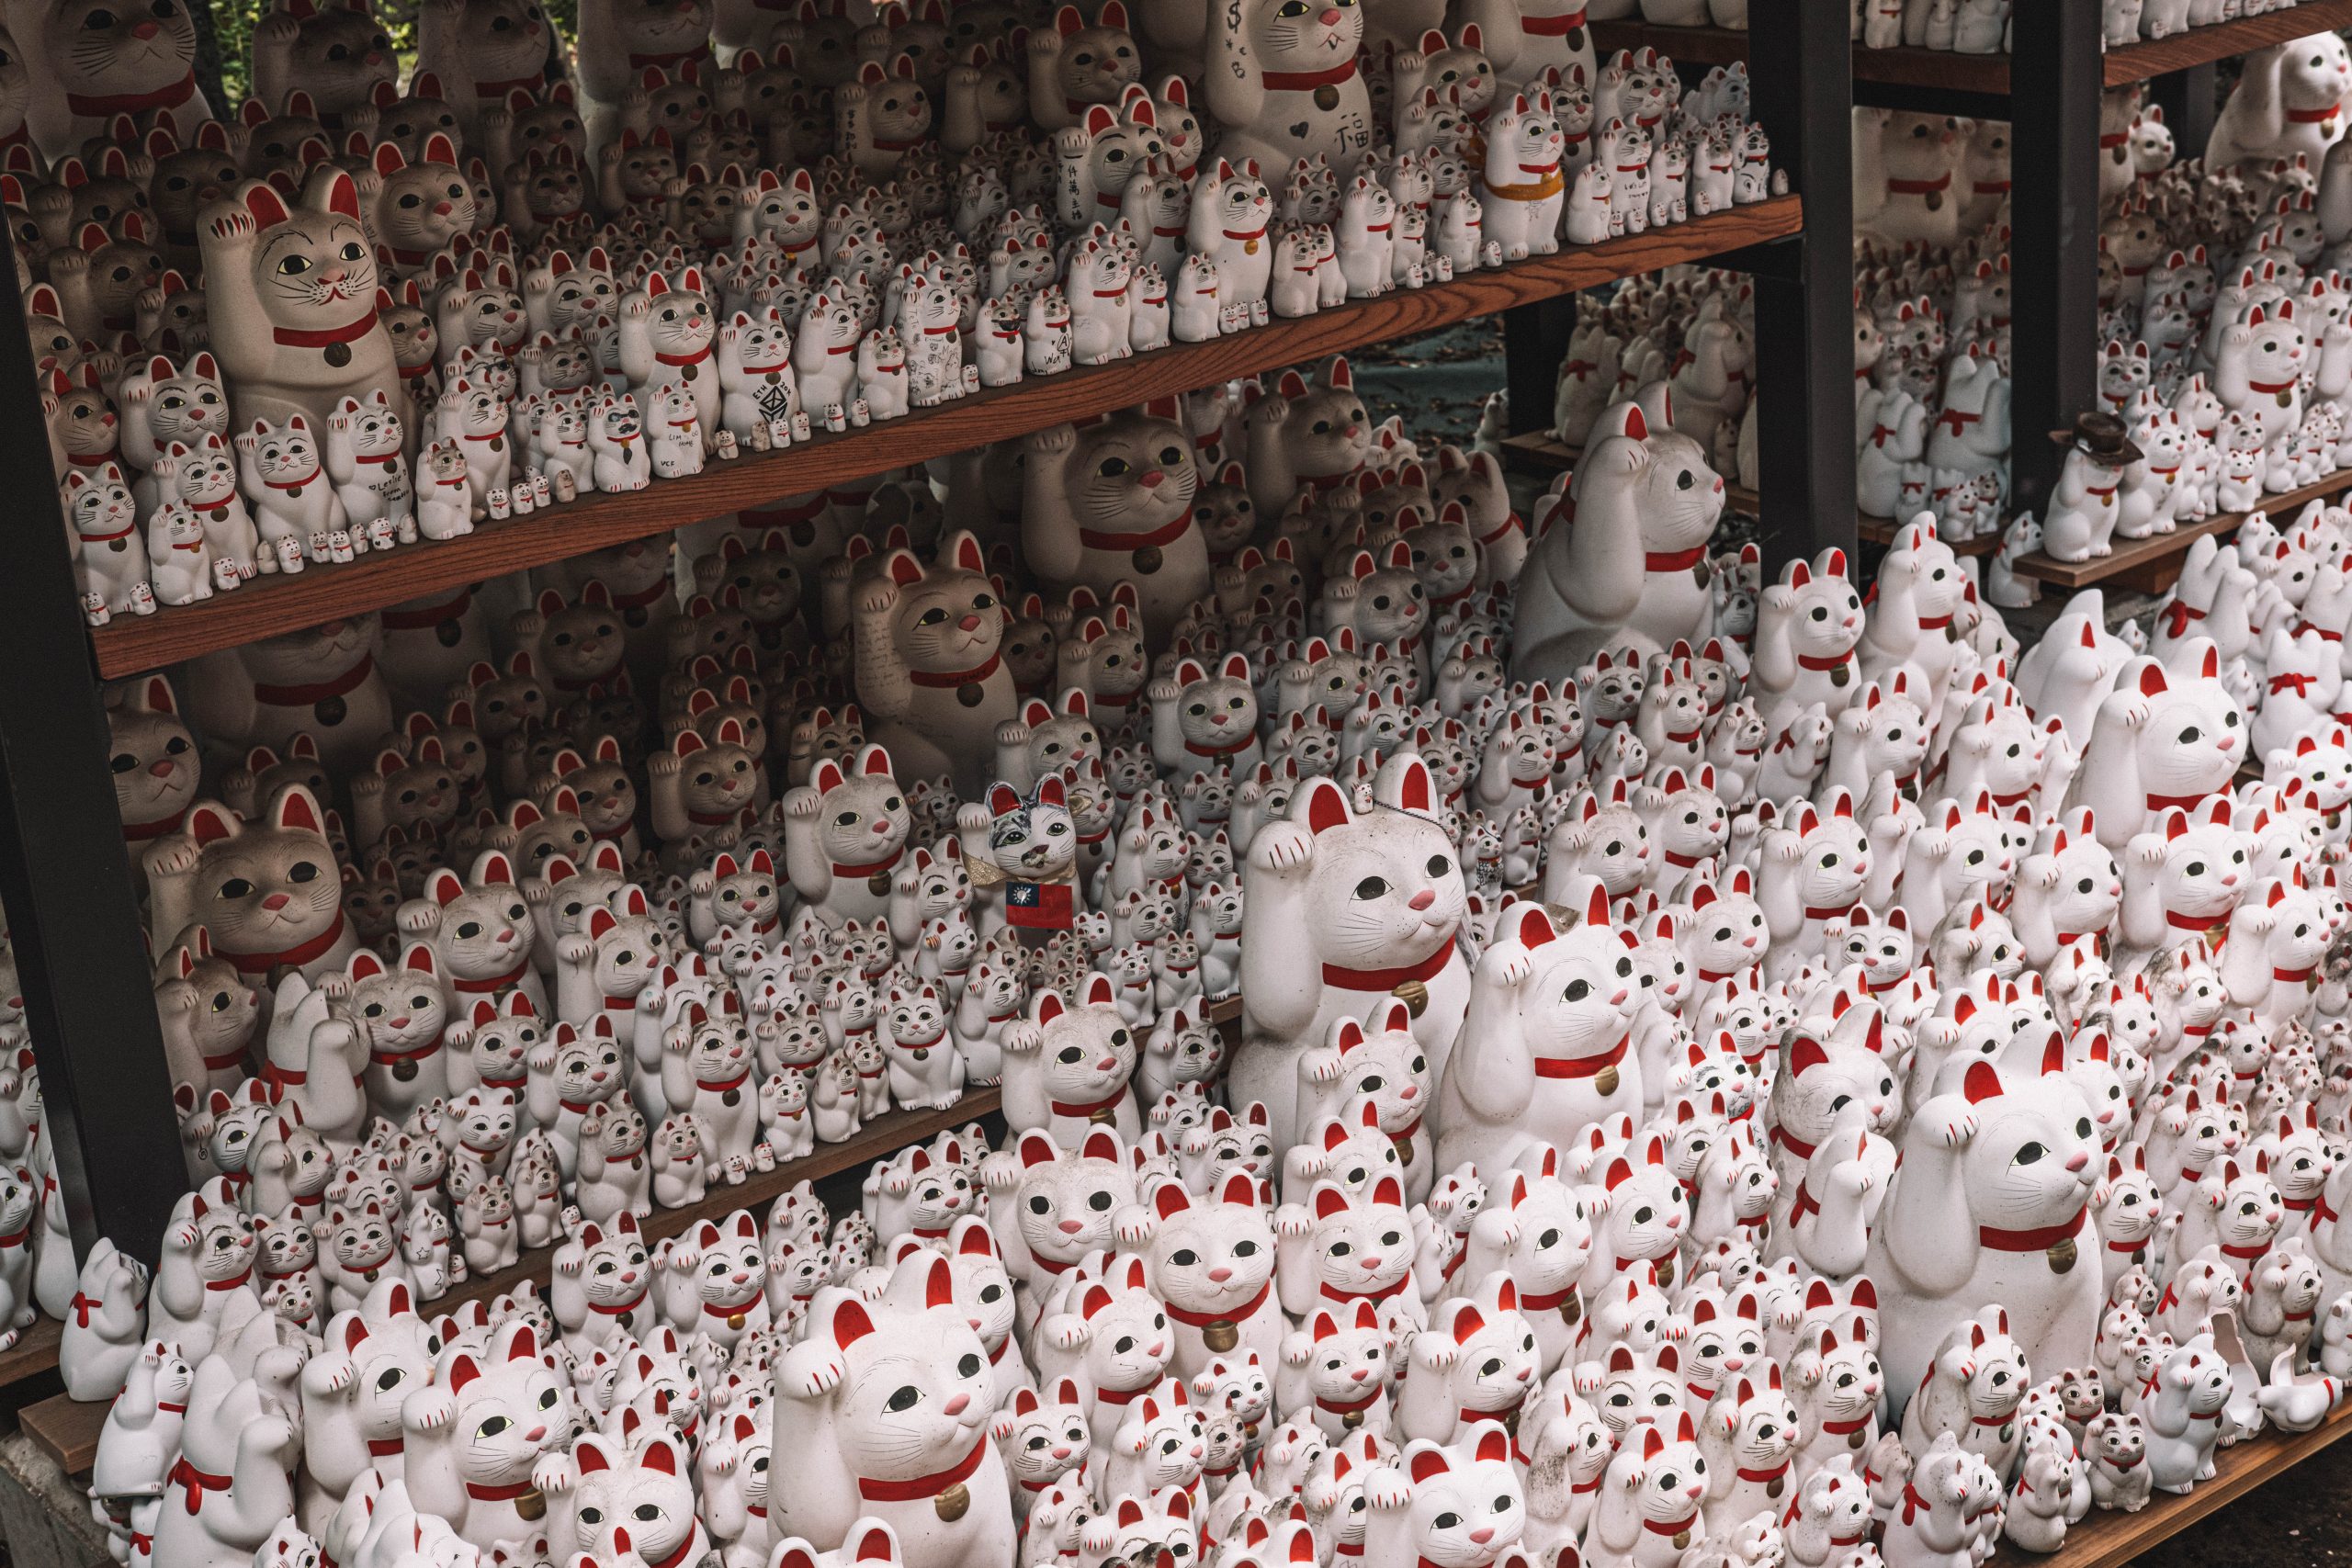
269,605
33,1354
1901,67
2153,563
2201,46
1943,68
2111,1540
1684,46
1881,531
1540,451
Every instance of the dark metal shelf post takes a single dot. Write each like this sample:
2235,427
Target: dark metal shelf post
1801,72
2053,252
65,872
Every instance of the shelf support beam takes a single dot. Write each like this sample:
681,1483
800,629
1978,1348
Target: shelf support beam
2053,251
65,871
1535,340
1801,69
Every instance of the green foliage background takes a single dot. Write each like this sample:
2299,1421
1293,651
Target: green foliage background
229,61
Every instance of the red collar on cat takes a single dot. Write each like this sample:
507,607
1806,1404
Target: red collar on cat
694,358
923,1486
262,962
198,1483
1552,27
299,337
1232,1315
1348,979
317,692
1097,539
169,97
1581,1066
493,982
868,868
945,678
1303,80
2040,1238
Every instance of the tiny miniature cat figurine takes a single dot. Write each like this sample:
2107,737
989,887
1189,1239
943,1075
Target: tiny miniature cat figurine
284,478
366,458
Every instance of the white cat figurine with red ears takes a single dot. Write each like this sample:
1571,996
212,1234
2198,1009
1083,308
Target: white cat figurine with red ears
1212,1263
480,930
1523,186
1365,907
1633,569
1111,503
1066,1068
2163,738
476,1474
925,1468
291,300
1544,1051
844,832
260,906
232,1483
1286,89
931,672
1965,1222
1203,720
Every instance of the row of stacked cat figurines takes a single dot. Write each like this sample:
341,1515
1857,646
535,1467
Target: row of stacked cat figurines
1539,1034
726,306
1161,1352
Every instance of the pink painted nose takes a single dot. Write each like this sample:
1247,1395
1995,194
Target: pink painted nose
162,768
276,901
1072,1227
2076,1160
1150,479
1618,1000
1410,1091
441,209
1220,1274
144,29
969,623
535,1434
955,1405
1483,1534
1422,900
399,1023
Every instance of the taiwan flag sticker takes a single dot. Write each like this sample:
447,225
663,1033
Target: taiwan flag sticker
1039,905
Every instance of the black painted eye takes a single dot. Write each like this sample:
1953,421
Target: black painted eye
1370,887
2029,1154
905,1398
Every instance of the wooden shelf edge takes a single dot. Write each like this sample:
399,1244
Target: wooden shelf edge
1943,68
271,605
1684,46
2202,46
2134,555
2111,1540
33,1354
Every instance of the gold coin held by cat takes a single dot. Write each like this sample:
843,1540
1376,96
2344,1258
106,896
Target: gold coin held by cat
1571,1310
1935,201
1681,1539
970,694
691,371
1854,1439
338,355
1606,1080
1221,1336
1840,673
879,883
1352,1420
1414,995
733,1097
404,1069
735,1320
1775,1487
1327,98
953,1504
1146,559
1664,1268
1104,1115
2062,1255
1404,1147
532,1505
